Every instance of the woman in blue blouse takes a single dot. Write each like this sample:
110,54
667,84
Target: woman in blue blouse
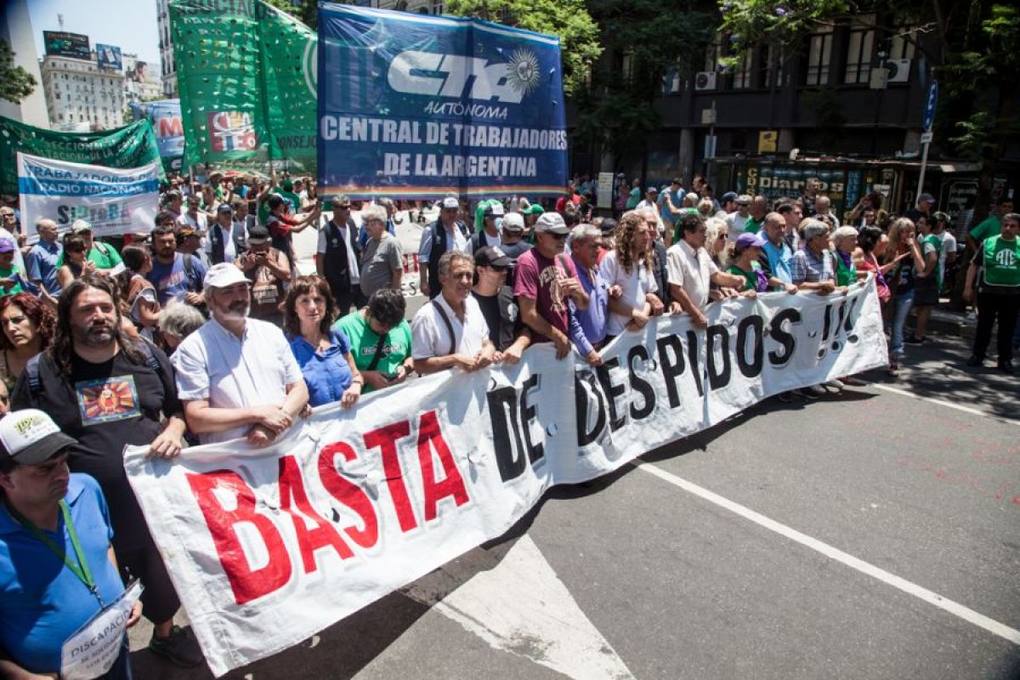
323,353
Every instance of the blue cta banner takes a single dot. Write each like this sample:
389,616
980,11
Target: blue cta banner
414,106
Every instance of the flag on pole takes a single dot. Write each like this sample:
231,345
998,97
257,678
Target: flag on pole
246,75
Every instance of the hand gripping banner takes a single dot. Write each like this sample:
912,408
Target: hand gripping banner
415,106
353,504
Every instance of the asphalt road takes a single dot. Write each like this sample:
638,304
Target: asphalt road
875,534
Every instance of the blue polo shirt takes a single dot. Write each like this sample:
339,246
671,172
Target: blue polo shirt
42,602
41,265
326,373
780,260
593,319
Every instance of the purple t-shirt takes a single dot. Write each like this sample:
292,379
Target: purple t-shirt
538,278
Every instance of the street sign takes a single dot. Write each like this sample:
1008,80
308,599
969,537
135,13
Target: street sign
604,193
929,106
710,141
926,137
767,141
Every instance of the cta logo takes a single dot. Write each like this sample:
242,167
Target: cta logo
458,76
232,131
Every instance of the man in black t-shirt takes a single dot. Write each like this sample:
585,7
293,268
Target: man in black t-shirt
106,391
496,300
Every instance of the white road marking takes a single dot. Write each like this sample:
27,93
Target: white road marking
521,606
954,608
948,404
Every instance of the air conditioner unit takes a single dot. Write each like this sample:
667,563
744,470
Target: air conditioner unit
705,80
899,70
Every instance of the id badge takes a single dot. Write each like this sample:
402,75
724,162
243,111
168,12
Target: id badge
92,649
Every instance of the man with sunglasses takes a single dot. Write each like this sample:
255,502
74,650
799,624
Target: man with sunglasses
496,300
545,281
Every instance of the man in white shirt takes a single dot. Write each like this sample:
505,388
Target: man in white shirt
651,200
193,217
450,330
737,221
692,272
236,376
226,238
338,256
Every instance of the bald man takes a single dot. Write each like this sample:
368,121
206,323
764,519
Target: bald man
41,261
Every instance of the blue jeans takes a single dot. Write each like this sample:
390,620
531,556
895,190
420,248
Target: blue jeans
901,308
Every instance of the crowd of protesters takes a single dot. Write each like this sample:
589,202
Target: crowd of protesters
205,330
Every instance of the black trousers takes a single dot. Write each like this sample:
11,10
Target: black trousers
991,306
346,294
159,599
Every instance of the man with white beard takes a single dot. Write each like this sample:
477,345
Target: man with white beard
237,376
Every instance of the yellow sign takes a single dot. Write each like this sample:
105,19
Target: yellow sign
767,141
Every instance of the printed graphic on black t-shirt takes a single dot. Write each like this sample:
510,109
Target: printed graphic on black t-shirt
107,400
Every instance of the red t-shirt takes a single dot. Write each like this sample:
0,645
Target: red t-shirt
280,225
537,278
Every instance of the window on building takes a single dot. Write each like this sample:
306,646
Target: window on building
713,54
819,54
742,71
437,6
772,69
859,48
627,66
903,43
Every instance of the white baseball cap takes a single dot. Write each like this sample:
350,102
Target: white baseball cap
513,222
449,202
551,223
223,275
30,437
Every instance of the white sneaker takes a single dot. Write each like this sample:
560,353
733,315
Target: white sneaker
834,384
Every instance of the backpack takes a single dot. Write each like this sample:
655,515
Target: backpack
35,381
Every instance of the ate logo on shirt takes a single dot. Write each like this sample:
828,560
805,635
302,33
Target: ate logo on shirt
107,400
1005,258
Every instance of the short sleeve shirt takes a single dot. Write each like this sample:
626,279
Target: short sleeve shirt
811,268
326,372
230,372
991,226
41,601
692,270
537,278
431,336
635,286
378,262
395,350
104,407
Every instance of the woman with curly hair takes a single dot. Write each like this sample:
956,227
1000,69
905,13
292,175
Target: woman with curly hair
27,330
629,266
322,352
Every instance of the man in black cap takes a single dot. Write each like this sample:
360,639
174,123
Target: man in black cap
337,256
57,567
496,300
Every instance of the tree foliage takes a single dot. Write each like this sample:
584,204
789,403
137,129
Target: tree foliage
305,12
568,19
616,111
15,82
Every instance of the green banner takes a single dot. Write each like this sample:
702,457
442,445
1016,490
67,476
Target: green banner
246,76
131,146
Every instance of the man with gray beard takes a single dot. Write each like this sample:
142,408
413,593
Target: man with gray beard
237,376
106,390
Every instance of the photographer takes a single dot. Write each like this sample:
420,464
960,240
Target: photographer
268,270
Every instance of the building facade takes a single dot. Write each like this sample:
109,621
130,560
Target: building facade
168,69
141,80
80,96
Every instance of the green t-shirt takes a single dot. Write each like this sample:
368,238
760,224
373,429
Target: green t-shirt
11,273
933,244
634,198
753,226
751,277
396,348
992,226
293,199
103,255
1001,262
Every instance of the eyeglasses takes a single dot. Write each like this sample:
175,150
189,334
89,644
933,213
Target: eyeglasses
558,237
721,236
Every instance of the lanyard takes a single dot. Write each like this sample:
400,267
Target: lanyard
79,569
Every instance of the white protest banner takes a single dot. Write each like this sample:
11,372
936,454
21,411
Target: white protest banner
352,505
112,200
